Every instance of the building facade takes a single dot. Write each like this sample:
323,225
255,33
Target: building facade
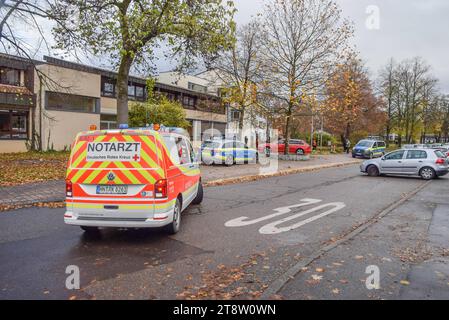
17,103
255,125
46,103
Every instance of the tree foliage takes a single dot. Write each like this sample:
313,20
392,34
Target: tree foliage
350,104
410,94
130,31
302,41
239,70
160,110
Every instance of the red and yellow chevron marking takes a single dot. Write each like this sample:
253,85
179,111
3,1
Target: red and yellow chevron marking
146,171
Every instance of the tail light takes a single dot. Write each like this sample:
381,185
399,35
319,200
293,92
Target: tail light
440,161
160,188
68,188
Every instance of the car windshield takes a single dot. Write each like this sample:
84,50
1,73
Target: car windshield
364,144
211,144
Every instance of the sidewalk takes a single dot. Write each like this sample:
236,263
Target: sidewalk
54,190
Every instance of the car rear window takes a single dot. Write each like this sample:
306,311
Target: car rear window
439,154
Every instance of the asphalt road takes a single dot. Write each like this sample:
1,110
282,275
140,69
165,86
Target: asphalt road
217,254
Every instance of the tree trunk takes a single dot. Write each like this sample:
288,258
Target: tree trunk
241,120
122,89
287,133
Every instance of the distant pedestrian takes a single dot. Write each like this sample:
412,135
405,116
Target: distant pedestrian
314,144
347,145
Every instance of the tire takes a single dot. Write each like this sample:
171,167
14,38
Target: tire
199,195
175,225
90,230
299,152
372,171
229,160
427,173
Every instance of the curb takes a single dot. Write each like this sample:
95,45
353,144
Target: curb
255,177
275,286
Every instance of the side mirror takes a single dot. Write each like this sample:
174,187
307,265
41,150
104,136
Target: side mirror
383,158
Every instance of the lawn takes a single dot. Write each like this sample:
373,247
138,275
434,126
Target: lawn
27,167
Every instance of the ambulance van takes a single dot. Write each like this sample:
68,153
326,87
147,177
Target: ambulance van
131,178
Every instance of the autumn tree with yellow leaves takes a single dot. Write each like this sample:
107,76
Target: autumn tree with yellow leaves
350,104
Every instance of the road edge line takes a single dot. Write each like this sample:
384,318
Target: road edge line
255,177
275,286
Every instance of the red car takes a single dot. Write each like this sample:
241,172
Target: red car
299,147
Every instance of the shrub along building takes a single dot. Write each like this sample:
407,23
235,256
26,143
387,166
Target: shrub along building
46,103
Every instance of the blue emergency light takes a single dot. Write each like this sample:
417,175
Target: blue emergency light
123,126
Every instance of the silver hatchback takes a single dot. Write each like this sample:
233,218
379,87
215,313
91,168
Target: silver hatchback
427,163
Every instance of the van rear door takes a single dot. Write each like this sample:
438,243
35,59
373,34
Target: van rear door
113,173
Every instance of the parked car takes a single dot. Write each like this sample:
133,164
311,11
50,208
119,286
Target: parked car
296,146
425,162
134,178
227,152
369,148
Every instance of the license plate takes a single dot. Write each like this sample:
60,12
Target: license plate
112,189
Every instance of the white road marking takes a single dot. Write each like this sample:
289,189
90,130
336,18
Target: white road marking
272,228
242,221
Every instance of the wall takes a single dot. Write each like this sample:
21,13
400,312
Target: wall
59,128
12,146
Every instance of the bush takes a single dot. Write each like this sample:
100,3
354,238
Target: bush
158,110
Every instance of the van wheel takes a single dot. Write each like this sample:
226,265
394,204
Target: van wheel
90,229
372,171
427,173
173,227
199,195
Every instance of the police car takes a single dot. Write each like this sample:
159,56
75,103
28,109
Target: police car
228,152
131,178
369,148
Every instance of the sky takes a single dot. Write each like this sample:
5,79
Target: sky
407,28
404,29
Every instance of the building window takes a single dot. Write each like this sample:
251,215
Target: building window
131,91
188,102
197,87
136,92
10,76
70,102
109,89
139,92
108,121
13,125
235,115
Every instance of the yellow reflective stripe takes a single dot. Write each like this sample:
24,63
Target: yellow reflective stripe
74,151
96,172
165,205
127,173
87,206
121,206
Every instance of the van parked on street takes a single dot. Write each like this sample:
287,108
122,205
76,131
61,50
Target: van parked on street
131,178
